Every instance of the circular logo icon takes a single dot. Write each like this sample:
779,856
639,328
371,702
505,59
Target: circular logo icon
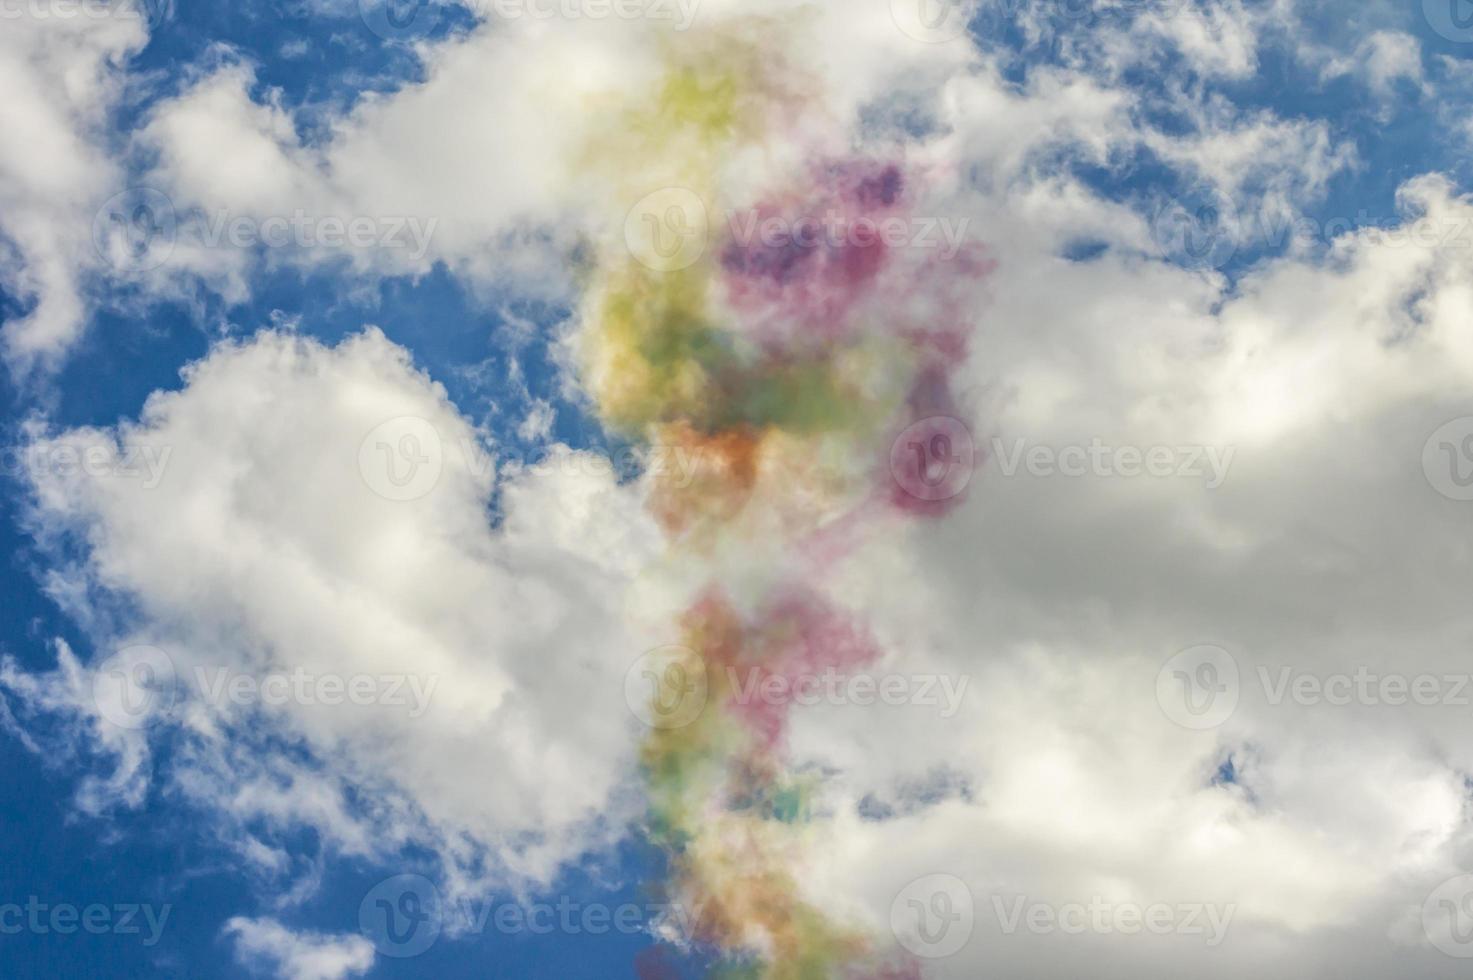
135,686
135,231
402,915
933,21
933,917
933,459
401,20
1198,688
1077,9
402,458
1198,235
667,688
1452,19
1447,459
1447,916
667,230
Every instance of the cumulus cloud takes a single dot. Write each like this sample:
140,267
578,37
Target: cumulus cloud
278,544
435,153
1325,550
287,530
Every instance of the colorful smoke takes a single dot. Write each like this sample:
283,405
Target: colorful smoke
805,359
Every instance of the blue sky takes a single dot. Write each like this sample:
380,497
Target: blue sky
157,854
1160,127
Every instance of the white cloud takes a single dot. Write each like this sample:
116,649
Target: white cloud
493,148
1062,779
61,74
290,955
1381,60
1325,548
271,545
